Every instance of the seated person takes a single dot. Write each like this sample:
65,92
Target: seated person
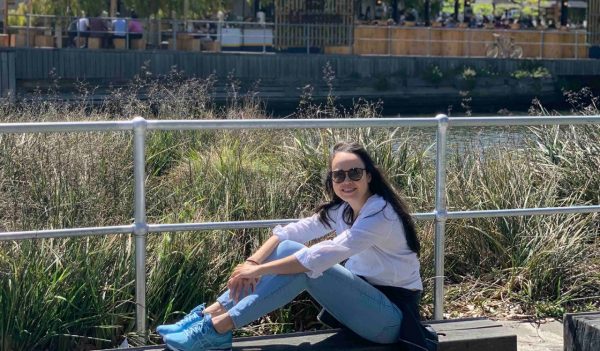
119,27
135,27
99,29
79,28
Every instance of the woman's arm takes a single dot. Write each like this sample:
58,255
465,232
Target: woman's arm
245,276
264,250
286,265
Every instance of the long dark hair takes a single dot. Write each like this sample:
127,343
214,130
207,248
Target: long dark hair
379,185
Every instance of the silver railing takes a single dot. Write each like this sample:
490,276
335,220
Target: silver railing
140,228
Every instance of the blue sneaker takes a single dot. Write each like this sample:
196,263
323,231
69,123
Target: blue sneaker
195,315
200,336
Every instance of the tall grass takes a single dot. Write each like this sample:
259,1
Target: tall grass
79,293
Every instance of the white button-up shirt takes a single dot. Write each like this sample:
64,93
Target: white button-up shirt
375,245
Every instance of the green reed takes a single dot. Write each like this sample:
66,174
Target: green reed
79,293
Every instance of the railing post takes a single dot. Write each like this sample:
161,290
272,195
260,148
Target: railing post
28,17
127,46
174,29
306,38
389,40
429,41
576,44
542,46
440,217
264,38
140,227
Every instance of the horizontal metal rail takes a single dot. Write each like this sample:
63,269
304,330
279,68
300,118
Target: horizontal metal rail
66,233
269,223
523,212
49,127
141,228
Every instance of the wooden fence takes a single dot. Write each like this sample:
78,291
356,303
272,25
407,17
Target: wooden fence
432,41
313,23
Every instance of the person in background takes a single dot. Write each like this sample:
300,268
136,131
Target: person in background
99,29
119,28
135,27
83,28
376,293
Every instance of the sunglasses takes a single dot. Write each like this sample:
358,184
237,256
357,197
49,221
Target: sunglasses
355,174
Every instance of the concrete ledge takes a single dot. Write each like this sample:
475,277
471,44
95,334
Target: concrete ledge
455,335
582,331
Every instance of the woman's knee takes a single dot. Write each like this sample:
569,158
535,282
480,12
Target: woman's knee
288,247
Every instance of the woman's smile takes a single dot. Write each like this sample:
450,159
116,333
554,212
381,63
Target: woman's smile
354,192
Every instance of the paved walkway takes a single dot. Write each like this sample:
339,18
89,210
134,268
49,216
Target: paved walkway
546,335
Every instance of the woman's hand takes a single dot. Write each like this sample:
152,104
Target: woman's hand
245,270
243,280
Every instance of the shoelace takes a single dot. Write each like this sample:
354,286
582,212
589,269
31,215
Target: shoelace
195,329
190,316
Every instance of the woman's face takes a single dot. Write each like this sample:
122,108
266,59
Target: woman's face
355,192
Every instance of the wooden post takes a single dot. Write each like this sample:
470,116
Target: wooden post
113,8
5,29
186,10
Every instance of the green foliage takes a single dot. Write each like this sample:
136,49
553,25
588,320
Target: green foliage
144,8
433,74
17,16
79,292
527,7
382,84
468,78
537,72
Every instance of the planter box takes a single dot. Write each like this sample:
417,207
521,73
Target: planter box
138,44
44,41
94,43
120,43
4,40
19,40
186,43
213,46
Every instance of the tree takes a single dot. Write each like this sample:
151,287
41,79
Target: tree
173,8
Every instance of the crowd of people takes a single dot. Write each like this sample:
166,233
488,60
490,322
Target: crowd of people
104,28
508,19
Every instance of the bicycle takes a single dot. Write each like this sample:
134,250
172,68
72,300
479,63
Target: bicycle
503,46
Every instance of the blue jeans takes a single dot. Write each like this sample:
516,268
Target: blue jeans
351,300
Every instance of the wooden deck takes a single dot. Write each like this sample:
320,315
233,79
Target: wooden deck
474,334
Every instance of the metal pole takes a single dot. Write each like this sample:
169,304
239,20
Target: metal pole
174,28
5,29
306,38
542,46
389,40
440,217
220,32
127,38
28,16
576,44
264,38
140,225
429,41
